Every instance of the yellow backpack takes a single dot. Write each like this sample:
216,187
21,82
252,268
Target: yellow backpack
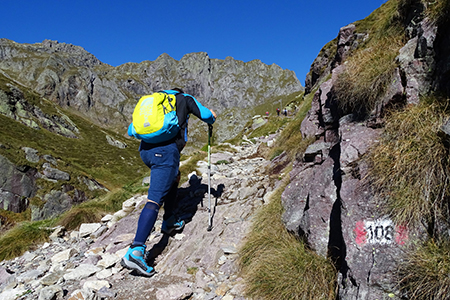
155,118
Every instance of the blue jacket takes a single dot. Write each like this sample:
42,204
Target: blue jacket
185,105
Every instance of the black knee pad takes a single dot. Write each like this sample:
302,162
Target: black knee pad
151,206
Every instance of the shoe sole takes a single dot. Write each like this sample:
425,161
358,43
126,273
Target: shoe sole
132,266
169,232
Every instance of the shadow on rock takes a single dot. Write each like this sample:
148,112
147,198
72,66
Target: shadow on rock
188,199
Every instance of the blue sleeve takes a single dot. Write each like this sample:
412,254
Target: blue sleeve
131,130
201,112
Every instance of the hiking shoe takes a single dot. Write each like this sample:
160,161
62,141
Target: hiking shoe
172,224
134,260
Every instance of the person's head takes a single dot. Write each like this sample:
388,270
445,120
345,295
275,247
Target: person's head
178,90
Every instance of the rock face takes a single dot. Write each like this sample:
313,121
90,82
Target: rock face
74,78
16,186
328,204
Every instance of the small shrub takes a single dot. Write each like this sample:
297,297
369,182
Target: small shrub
192,270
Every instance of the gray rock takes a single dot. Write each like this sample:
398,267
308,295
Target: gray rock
31,154
50,159
308,201
81,272
174,292
16,186
445,128
87,229
96,285
115,143
102,92
63,255
51,293
5,276
106,293
56,202
51,279
317,152
55,174
92,184
29,275
11,294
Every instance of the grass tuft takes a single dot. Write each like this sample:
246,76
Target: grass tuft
366,77
409,167
278,266
438,11
370,68
425,272
22,238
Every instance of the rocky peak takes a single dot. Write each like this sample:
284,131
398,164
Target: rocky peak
75,79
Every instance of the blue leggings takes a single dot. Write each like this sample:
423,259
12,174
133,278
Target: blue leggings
163,162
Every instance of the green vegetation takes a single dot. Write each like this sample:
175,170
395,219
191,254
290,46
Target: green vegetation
291,139
89,155
370,69
437,10
409,171
190,164
274,263
272,125
425,272
92,211
23,237
410,167
27,234
278,266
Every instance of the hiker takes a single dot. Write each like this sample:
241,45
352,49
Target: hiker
285,112
278,112
163,160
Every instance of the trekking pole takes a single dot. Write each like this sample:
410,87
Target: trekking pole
210,128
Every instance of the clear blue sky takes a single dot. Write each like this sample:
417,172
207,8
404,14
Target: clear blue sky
287,33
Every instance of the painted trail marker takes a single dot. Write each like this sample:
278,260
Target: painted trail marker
381,231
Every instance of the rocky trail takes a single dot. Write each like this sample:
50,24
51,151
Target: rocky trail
192,264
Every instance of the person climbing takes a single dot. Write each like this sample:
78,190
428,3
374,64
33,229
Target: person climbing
163,159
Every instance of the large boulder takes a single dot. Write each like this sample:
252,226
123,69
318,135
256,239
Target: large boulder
16,186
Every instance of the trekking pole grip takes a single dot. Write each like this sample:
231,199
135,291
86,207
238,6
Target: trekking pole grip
210,129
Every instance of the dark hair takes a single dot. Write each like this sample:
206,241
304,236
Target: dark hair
178,90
